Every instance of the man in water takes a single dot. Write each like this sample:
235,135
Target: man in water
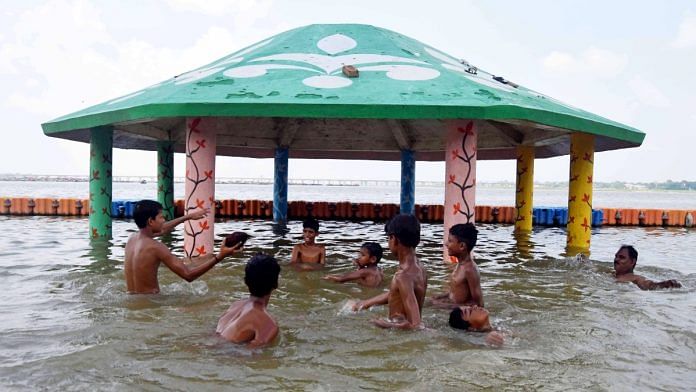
465,281
407,289
247,321
624,263
144,254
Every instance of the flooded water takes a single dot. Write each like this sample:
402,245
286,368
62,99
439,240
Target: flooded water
67,323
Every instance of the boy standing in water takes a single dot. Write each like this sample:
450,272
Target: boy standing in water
368,273
247,320
465,282
309,251
407,289
144,254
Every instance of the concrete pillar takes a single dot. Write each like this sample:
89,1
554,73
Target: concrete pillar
408,182
100,182
165,177
524,188
460,174
280,186
579,227
201,143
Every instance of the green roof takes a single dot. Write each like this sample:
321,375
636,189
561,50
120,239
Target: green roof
295,80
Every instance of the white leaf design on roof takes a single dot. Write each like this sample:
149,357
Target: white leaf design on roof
336,43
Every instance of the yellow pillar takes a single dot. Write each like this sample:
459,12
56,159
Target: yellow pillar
580,192
524,188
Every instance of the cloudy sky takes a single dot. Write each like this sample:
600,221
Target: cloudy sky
630,61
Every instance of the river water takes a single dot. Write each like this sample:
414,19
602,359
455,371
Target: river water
67,323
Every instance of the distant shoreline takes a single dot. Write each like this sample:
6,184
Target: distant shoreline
616,185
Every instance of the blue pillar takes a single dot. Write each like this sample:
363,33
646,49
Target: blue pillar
280,186
408,182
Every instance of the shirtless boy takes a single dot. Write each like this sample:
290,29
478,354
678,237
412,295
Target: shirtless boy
309,252
368,273
465,282
474,318
407,289
247,320
624,263
144,254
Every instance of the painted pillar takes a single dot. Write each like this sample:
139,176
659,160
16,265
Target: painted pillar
524,188
580,192
408,182
200,185
280,186
100,183
460,174
165,177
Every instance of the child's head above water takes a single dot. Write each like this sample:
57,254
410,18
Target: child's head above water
146,210
311,223
472,318
261,275
466,233
370,254
406,229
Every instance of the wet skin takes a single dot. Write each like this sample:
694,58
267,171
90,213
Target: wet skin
309,251
368,273
465,281
247,321
623,269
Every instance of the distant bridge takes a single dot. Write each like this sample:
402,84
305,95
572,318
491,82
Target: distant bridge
224,180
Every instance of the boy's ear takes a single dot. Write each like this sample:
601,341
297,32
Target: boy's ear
373,259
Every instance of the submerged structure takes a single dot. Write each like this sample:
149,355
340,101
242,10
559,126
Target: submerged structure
343,92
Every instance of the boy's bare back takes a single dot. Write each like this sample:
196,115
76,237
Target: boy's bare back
247,321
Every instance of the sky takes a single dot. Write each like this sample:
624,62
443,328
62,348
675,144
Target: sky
630,61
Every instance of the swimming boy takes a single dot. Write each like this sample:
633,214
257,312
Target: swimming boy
368,273
474,318
624,263
247,321
409,284
144,254
309,251
465,281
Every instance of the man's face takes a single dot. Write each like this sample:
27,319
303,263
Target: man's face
622,262
454,247
364,258
391,240
476,316
309,235
157,222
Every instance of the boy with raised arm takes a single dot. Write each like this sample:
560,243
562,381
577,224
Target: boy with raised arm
368,273
247,321
465,281
407,289
144,254
309,252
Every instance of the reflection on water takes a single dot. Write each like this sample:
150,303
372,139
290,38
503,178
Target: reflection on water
68,323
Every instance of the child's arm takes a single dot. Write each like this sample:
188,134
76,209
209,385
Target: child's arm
168,226
368,303
295,258
474,282
347,277
322,256
264,334
411,309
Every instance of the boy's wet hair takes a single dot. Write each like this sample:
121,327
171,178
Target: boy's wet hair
373,249
406,228
261,274
311,223
144,210
455,319
466,233
632,252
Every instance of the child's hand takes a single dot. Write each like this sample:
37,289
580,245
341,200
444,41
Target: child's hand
198,214
330,277
228,251
495,339
358,306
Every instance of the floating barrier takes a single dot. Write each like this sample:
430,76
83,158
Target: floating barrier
263,209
